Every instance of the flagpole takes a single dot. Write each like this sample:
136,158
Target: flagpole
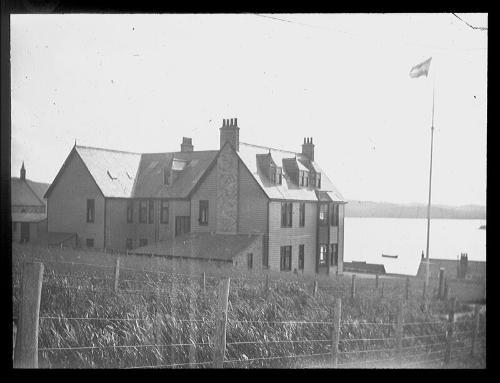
429,201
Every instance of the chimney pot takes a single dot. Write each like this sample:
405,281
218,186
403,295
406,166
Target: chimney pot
235,122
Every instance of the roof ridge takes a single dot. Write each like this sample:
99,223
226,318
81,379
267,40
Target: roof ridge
106,149
268,147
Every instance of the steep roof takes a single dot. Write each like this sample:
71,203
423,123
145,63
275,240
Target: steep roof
207,246
113,171
28,217
287,190
26,192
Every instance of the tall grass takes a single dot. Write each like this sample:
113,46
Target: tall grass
153,311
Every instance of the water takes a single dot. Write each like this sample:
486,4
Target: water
367,238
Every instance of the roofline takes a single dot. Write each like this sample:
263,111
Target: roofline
106,149
268,147
61,170
36,195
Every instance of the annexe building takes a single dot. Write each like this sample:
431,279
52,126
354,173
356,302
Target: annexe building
171,204
28,208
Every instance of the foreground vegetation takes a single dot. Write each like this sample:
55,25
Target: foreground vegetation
152,311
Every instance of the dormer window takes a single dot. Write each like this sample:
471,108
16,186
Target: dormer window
279,175
303,178
318,180
273,174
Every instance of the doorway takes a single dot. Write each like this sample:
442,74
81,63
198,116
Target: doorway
25,232
182,225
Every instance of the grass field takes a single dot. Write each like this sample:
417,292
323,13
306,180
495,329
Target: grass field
161,317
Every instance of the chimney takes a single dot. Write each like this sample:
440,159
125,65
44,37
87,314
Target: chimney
23,172
187,144
230,132
308,148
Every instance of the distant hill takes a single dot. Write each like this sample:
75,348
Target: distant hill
368,209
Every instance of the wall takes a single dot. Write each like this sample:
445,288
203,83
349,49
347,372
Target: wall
341,239
67,203
207,190
227,191
240,260
294,236
252,204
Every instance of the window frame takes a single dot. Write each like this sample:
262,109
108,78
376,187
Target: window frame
334,212
151,211
143,242
286,255
130,211
164,208
90,210
334,255
326,217
301,256
302,214
325,253
265,251
203,207
143,211
89,240
286,214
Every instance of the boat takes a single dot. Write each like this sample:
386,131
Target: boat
389,256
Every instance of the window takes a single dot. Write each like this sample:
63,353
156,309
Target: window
286,258
265,251
130,210
318,180
301,257
323,253
182,225
301,178
90,242
143,242
249,260
302,214
128,243
334,254
279,175
273,174
323,214
166,176
164,212
90,210
143,211
151,211
307,181
203,213
286,214
334,215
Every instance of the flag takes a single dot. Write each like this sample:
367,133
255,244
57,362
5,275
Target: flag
421,69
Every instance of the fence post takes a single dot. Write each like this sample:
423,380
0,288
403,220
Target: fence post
117,273
353,286
382,291
407,292
441,283
221,320
315,288
449,332
399,331
26,352
203,283
337,313
376,281
475,330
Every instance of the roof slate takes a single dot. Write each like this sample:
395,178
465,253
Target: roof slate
288,190
207,246
26,192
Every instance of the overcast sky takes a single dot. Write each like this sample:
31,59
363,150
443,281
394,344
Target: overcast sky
142,82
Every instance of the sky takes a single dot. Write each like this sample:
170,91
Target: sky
141,82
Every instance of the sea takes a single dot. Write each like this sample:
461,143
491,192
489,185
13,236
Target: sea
366,239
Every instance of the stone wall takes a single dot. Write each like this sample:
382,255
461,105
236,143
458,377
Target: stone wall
227,191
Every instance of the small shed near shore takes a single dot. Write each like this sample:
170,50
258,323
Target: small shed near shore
363,267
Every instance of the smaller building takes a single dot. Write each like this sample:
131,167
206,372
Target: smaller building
363,267
454,269
29,208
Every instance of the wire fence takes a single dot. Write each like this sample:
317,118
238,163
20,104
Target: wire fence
194,345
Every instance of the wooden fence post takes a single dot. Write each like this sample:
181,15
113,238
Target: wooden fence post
399,331
446,289
117,273
407,292
221,320
26,352
353,286
382,291
449,332
315,288
376,281
475,330
441,284
337,314
203,283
